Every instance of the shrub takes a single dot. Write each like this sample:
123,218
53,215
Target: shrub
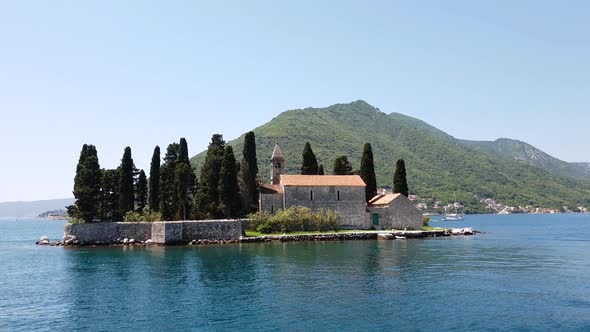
75,221
255,220
132,216
153,216
425,221
294,219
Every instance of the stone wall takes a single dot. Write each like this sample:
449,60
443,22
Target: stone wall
348,202
164,232
109,232
271,203
399,214
212,230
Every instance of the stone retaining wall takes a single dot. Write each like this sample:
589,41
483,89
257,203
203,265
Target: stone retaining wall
109,232
163,232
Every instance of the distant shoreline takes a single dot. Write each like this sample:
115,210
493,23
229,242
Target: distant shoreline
31,219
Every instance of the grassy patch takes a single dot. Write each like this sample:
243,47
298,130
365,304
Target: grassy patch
255,234
430,228
252,234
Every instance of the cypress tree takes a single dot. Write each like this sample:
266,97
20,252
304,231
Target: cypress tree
126,183
154,185
83,156
168,199
183,152
310,163
400,184
182,184
87,185
208,193
321,170
109,205
183,158
228,185
368,172
248,174
342,166
141,191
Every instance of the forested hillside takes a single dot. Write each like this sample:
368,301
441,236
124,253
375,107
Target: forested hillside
438,164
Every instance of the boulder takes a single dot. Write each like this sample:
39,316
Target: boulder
385,236
125,241
68,240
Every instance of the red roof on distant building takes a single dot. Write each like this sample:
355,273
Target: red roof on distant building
322,180
383,199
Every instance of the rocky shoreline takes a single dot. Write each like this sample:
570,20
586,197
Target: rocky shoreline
72,241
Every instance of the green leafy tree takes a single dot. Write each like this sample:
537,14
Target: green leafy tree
182,184
248,175
126,183
321,170
141,191
400,184
154,183
310,162
342,166
208,193
87,185
368,172
168,199
109,195
228,185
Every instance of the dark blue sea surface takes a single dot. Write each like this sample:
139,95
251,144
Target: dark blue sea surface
527,273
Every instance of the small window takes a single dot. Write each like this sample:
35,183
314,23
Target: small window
272,208
311,195
338,193
278,165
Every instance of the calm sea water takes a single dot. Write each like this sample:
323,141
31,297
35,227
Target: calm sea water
529,272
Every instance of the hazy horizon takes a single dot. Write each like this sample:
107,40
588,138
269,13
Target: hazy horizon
143,73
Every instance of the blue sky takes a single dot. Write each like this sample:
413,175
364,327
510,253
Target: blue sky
141,73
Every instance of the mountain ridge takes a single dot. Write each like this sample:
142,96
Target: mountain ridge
438,164
31,209
533,156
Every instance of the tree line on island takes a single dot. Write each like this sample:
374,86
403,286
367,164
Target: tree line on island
225,188
342,166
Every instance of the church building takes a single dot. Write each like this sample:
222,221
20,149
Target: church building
343,194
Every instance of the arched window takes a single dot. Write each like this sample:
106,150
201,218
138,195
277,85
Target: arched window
311,195
338,193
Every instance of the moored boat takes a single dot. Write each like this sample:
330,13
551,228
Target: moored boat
454,216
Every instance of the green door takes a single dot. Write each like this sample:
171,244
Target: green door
375,219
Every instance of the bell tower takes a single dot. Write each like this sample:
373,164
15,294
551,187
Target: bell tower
277,164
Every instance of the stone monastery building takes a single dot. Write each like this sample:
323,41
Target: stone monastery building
344,194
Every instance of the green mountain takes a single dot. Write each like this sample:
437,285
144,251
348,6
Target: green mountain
438,164
530,155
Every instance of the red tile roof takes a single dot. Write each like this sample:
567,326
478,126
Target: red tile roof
322,180
383,199
270,189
